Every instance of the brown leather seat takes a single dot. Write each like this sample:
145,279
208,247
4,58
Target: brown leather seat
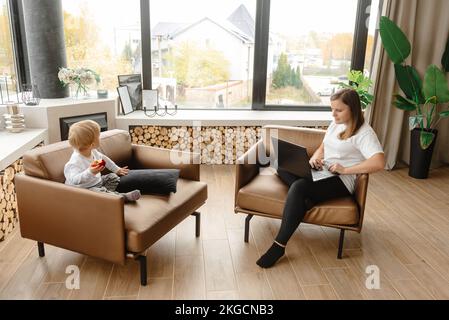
99,224
259,191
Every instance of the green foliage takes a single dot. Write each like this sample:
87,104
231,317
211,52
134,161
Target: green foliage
423,98
285,75
435,84
409,82
394,40
197,67
360,83
127,53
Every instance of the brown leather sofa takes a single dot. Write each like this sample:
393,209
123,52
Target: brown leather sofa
258,193
99,224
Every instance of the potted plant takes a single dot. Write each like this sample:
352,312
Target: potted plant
426,99
360,83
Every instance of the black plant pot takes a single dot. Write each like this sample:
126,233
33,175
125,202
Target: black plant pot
420,158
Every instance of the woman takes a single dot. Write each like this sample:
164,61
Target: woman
350,147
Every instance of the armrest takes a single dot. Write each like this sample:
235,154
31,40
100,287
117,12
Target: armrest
360,193
247,167
76,219
146,157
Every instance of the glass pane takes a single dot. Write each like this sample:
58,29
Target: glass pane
7,69
372,25
309,51
103,35
203,51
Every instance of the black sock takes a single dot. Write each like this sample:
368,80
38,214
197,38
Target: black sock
271,256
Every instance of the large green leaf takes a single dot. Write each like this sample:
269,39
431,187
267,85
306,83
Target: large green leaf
394,40
404,103
445,59
414,121
435,84
426,139
409,82
444,114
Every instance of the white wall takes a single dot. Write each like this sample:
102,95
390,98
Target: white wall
235,51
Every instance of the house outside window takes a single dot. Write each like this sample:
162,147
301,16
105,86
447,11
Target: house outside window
203,58
311,44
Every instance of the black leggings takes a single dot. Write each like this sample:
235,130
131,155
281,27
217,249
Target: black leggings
302,195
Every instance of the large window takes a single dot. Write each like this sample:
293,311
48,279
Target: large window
103,35
8,79
202,52
310,49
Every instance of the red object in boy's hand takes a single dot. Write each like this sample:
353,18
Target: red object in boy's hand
98,163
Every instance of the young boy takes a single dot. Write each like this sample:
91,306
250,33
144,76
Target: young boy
86,163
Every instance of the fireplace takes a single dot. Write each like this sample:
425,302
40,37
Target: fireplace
65,123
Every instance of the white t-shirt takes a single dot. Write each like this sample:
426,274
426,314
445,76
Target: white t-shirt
350,152
77,171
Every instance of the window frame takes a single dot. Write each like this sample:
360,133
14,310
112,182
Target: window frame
261,43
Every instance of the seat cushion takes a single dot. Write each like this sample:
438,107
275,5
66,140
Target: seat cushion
152,216
266,194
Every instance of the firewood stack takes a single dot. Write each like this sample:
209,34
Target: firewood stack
217,145
8,200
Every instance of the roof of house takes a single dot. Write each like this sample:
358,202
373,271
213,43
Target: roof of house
167,29
242,19
240,24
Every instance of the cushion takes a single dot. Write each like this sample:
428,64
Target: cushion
270,201
150,181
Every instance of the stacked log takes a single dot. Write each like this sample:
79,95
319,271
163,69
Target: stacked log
8,199
217,145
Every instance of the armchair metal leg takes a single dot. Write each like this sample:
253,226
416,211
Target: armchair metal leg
197,223
41,249
247,220
143,269
340,243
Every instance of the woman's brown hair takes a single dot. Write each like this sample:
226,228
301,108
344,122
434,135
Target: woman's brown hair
350,98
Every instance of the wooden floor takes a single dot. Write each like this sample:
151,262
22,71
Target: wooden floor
405,234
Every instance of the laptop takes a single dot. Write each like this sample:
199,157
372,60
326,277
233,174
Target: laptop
294,159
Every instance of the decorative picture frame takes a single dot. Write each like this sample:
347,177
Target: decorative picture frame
125,100
134,84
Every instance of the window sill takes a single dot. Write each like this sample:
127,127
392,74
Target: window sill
227,118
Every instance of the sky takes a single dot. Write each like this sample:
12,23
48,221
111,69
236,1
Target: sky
289,17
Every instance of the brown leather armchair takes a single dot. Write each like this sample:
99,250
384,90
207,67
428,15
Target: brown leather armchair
99,224
265,194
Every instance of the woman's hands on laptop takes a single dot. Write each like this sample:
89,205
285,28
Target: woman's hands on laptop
337,168
316,163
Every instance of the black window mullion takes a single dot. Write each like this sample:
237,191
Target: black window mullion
261,43
19,42
145,30
360,35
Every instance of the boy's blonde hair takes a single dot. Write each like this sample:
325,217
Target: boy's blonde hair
83,133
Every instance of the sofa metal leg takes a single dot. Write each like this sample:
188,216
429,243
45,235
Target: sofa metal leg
197,223
340,243
247,220
41,249
143,269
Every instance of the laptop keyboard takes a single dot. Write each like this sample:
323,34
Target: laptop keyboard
321,174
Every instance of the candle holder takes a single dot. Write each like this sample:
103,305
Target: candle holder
156,111
171,113
30,95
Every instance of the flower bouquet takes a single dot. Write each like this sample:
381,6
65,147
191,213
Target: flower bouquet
80,78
